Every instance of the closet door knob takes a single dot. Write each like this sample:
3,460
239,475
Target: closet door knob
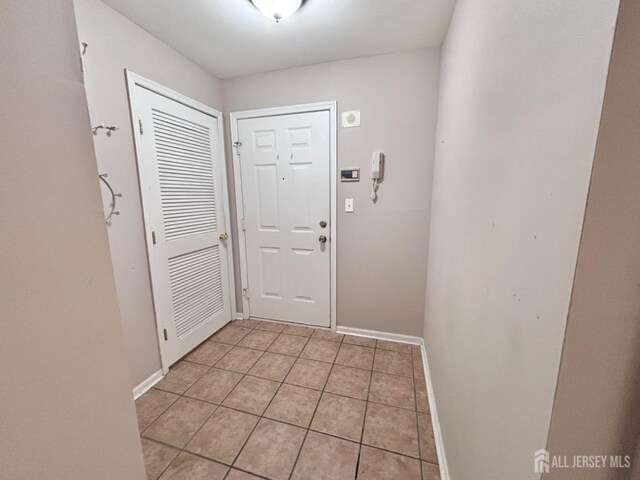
224,237
322,239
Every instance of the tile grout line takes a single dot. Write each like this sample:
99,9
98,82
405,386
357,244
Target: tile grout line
221,405
287,423
184,359
266,408
292,425
281,383
203,423
262,352
181,449
163,412
200,455
371,372
235,458
306,433
206,420
179,395
260,417
366,409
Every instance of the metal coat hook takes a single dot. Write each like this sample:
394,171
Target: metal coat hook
108,128
103,177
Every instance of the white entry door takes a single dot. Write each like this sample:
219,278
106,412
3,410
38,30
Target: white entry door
181,175
285,170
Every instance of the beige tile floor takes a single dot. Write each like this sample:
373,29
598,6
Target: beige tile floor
268,400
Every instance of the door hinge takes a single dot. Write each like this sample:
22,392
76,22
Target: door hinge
243,226
245,293
166,335
237,144
153,237
140,126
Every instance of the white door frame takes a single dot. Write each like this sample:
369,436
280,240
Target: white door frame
134,80
234,117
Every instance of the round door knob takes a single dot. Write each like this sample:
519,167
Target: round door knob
322,239
224,237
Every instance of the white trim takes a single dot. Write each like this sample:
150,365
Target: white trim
147,384
394,337
133,79
437,433
268,112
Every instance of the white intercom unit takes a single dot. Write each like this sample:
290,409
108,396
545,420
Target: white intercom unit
377,171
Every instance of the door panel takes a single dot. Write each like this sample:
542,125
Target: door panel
181,183
188,201
285,176
270,266
196,288
302,192
267,198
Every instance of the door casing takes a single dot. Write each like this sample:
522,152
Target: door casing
234,117
134,80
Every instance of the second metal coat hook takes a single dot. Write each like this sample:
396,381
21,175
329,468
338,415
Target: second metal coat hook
108,128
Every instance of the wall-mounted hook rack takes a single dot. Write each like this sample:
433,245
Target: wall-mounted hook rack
103,177
108,128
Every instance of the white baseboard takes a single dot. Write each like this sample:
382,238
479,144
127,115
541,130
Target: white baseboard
395,337
147,384
437,433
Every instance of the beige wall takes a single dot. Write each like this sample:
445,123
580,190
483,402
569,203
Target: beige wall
116,43
66,407
521,93
596,411
381,248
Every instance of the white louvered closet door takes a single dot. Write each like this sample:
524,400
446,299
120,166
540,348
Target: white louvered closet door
181,182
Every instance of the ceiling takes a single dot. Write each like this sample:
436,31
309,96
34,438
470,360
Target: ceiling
230,38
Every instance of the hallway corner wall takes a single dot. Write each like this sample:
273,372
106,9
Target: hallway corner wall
116,43
596,405
66,405
521,93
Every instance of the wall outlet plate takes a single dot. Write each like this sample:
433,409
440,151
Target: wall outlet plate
351,119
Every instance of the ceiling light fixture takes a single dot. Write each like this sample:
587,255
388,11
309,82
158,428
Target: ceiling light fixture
277,10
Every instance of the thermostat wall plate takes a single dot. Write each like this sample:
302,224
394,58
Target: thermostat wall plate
351,119
350,175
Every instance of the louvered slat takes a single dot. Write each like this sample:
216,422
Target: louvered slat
196,288
181,122
187,191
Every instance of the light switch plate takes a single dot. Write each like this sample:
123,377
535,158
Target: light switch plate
348,205
351,119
